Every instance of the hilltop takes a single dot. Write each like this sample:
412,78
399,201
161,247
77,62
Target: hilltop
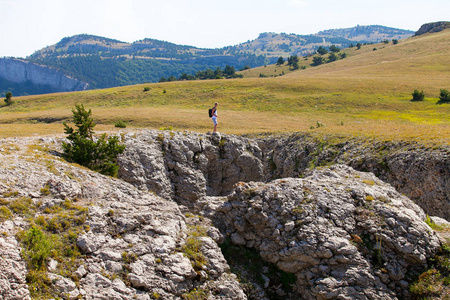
276,45
102,62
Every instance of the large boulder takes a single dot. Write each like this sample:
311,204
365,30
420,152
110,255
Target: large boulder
341,232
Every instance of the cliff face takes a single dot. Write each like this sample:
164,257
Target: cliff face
189,166
432,27
21,71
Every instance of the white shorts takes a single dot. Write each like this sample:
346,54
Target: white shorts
214,120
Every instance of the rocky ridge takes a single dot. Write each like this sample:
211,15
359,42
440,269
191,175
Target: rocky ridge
336,229
432,27
188,166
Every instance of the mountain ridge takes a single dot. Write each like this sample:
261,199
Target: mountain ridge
104,62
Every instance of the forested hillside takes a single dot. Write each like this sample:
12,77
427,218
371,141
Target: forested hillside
102,62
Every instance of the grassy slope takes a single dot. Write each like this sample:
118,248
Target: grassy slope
366,93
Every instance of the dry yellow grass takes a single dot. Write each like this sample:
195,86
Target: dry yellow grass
368,93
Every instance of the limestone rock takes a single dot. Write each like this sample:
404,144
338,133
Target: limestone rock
347,226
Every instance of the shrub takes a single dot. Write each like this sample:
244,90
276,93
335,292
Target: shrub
146,89
444,96
5,213
322,51
280,61
428,284
120,124
418,96
334,48
8,99
317,60
38,248
98,155
395,41
332,57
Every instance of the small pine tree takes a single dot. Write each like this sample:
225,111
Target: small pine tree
395,41
280,61
322,51
8,98
358,46
334,48
332,57
318,60
99,155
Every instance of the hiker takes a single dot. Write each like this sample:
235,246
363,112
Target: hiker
214,116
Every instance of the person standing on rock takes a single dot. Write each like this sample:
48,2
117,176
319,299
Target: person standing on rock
214,116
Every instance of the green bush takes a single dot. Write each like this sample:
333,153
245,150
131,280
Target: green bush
418,96
318,60
98,154
120,124
38,248
444,96
146,89
8,99
332,57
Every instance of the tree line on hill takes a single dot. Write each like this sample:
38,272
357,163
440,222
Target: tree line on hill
227,72
102,72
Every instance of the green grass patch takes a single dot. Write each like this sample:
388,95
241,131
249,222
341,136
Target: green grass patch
52,235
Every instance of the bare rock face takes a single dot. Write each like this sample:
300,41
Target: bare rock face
20,71
432,27
12,267
188,166
422,173
341,232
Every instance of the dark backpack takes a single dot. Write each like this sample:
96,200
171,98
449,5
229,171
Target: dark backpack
210,112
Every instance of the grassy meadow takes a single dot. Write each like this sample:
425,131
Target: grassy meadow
368,93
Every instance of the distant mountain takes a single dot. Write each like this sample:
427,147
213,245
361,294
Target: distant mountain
275,45
105,62
367,34
102,62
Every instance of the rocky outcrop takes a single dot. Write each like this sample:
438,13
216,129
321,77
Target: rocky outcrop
342,232
188,166
21,71
432,27
420,172
133,245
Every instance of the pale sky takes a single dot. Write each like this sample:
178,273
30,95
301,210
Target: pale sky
30,25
